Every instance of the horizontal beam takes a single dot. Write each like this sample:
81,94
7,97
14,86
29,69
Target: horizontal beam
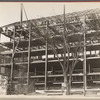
38,52
60,75
49,61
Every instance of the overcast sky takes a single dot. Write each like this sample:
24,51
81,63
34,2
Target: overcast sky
10,12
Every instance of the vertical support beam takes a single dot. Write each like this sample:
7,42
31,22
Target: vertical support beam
12,61
95,52
64,21
0,37
29,54
35,70
52,69
84,62
21,13
64,40
46,63
89,67
46,54
90,53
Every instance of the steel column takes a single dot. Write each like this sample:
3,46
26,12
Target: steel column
46,59
29,54
21,14
84,61
12,61
0,37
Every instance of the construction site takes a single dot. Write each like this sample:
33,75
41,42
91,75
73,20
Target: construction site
52,55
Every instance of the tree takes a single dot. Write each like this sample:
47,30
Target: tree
67,65
69,42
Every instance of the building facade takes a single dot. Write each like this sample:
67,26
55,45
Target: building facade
29,59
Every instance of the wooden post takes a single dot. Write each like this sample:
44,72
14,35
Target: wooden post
46,59
29,55
84,62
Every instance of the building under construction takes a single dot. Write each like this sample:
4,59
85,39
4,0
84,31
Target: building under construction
35,52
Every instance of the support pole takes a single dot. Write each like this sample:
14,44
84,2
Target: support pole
21,13
46,59
84,62
35,70
12,62
89,67
29,54
0,37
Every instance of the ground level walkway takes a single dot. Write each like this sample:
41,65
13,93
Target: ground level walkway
44,97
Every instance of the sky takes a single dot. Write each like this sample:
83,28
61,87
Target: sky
10,12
